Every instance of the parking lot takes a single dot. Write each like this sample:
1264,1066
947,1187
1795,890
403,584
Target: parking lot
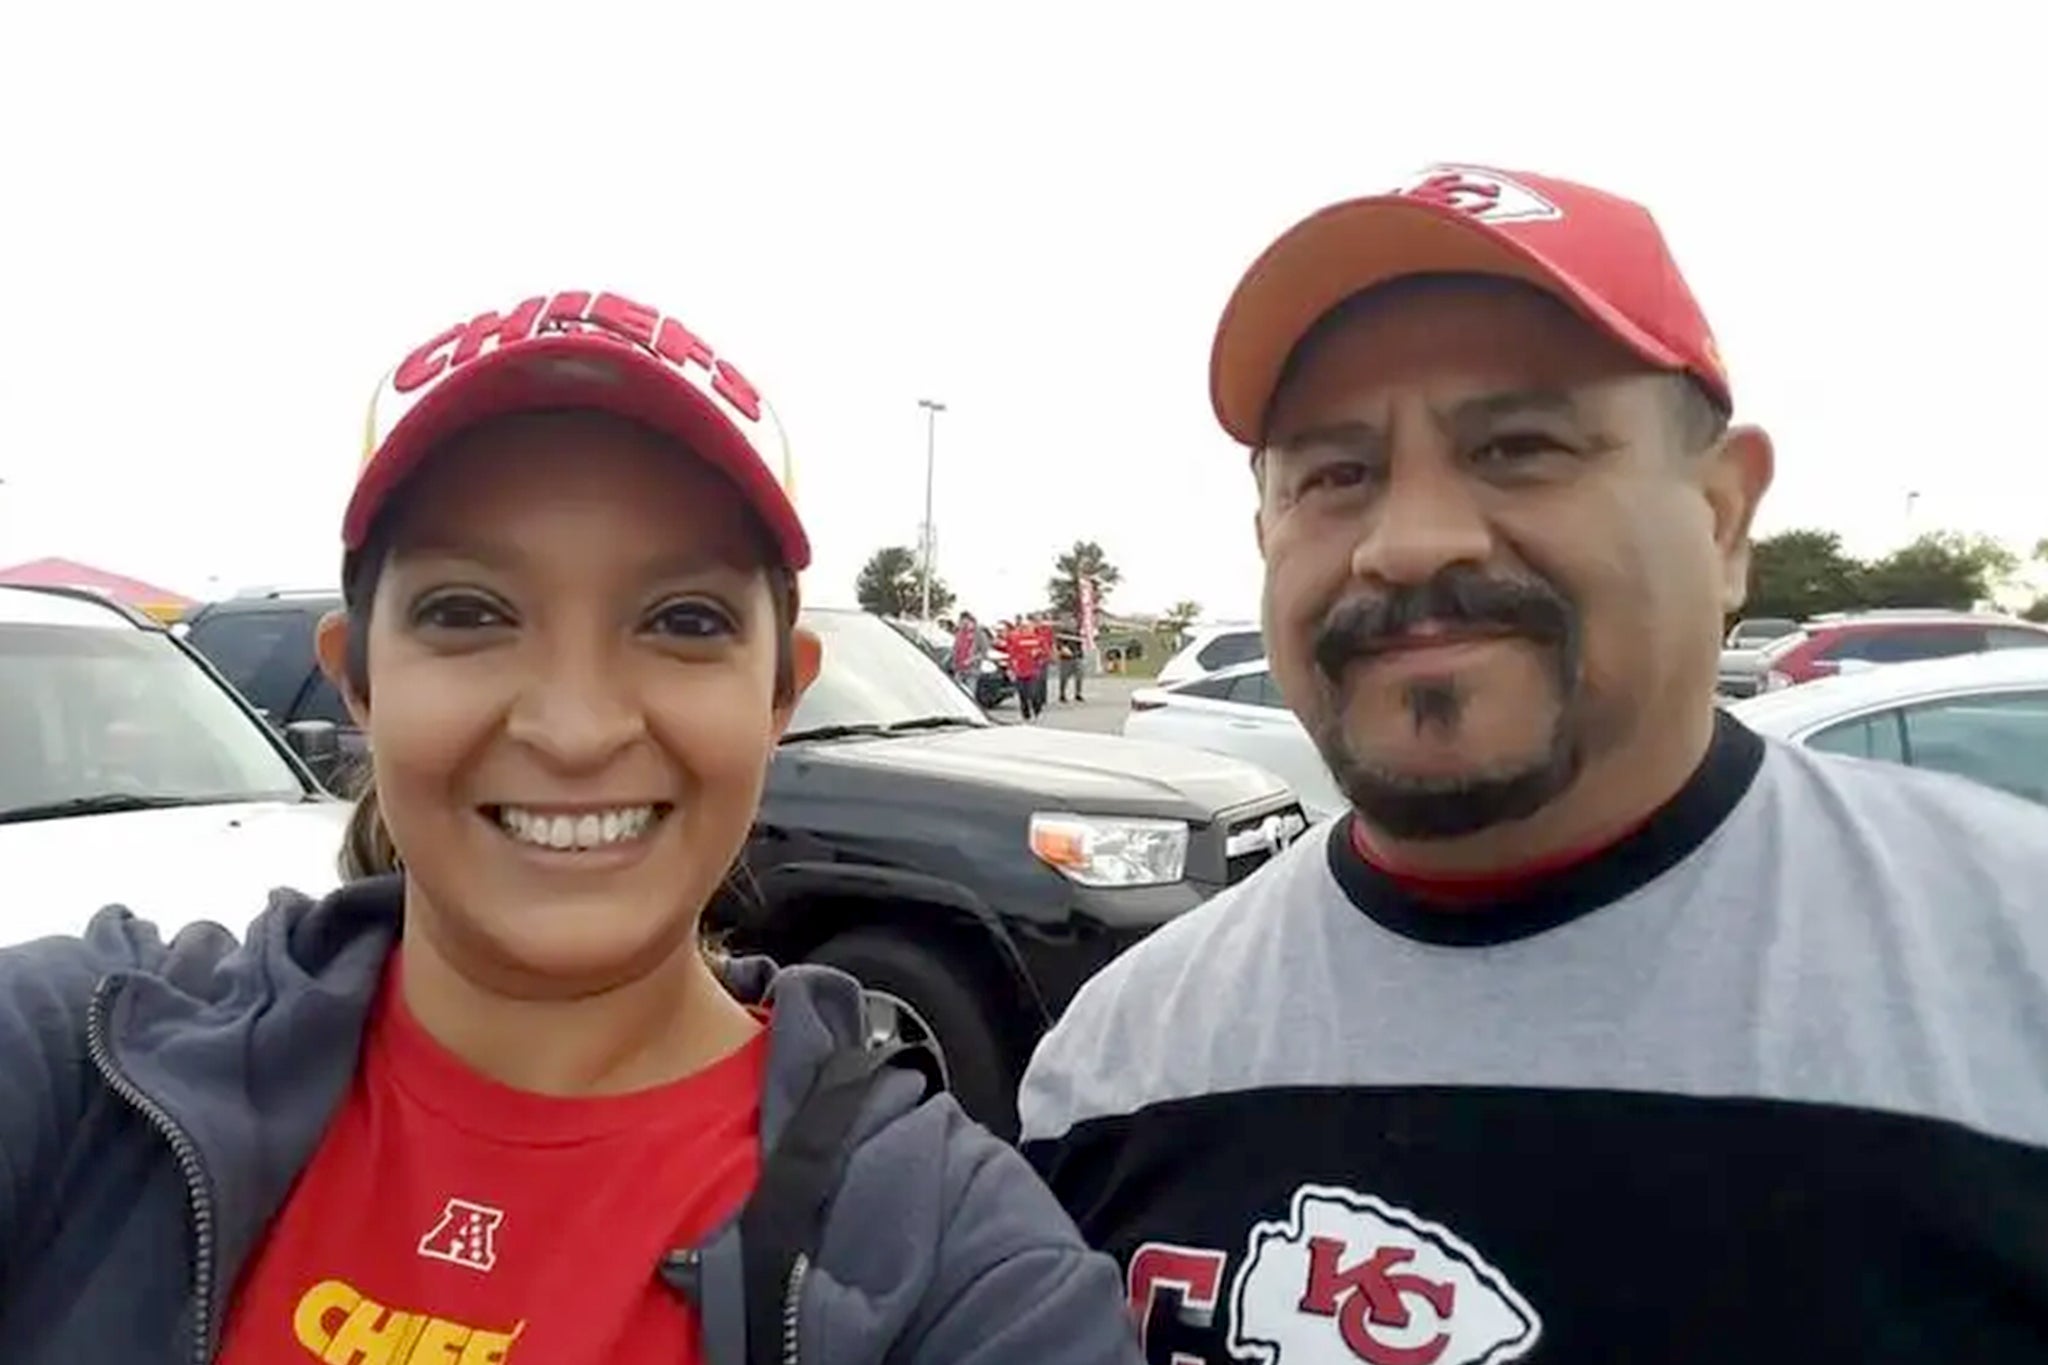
1109,701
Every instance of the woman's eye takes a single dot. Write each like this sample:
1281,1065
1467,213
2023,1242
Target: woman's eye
690,621
460,613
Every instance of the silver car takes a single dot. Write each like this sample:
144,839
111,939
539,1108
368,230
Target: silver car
1980,716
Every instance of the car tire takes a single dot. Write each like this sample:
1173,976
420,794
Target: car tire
945,995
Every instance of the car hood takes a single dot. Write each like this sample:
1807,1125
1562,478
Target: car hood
1090,773
173,866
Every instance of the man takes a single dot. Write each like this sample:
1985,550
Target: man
1070,663
1025,649
1048,649
1601,1030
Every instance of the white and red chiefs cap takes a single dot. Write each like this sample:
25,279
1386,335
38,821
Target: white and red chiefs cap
578,349
1599,253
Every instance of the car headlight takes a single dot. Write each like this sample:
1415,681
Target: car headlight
1100,850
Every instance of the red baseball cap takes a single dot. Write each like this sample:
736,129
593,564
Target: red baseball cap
578,349
1596,251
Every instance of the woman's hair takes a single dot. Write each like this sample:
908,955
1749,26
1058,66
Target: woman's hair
367,849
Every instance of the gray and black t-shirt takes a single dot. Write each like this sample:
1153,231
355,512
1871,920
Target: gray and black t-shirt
1766,1082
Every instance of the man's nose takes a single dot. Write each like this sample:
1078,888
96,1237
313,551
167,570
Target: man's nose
576,708
1428,518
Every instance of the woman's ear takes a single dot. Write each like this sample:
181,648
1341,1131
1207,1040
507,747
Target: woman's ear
806,655
330,646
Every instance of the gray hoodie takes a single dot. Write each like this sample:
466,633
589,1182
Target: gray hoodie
157,1102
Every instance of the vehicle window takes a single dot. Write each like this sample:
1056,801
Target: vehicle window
1750,634
872,675
2013,637
87,712
1214,689
1231,648
1881,736
265,654
1907,646
1255,689
323,702
1999,740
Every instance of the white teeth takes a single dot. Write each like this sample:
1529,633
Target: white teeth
592,830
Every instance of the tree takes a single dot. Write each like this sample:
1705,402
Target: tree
1797,574
1084,563
890,584
1174,624
2037,610
1940,569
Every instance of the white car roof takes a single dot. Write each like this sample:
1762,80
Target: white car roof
1795,709
28,607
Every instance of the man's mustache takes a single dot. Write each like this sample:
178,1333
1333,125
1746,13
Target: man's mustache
1360,627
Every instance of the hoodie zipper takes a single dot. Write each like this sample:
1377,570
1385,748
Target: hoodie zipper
197,1191
791,1299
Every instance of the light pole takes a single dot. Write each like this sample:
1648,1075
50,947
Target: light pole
932,409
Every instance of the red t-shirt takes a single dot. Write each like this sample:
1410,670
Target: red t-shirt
1026,651
450,1220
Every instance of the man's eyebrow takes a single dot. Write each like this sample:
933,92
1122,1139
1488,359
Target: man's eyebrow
1351,434
1491,407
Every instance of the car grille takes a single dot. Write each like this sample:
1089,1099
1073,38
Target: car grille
1255,840
1739,684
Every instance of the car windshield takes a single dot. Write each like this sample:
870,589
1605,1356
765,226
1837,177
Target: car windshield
100,719
873,678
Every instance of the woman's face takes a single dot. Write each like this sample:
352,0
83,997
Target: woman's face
572,657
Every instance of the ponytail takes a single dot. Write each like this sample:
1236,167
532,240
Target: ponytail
366,847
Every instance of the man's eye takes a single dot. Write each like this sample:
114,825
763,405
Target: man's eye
1516,447
460,613
689,621
1337,474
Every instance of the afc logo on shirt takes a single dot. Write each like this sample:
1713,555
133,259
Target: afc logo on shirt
466,1234
1344,1279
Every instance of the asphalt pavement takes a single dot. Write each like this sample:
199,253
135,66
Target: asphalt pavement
1109,701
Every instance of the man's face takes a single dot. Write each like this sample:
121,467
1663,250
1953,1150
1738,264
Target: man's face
1491,557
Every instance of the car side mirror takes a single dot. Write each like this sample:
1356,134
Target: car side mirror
318,745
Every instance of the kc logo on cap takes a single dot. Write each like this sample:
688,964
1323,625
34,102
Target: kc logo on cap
1479,193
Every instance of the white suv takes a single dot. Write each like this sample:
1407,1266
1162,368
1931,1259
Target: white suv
131,773
1214,647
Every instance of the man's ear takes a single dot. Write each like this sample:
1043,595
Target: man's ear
330,647
806,656
1736,475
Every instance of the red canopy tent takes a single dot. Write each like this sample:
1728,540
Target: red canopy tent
161,603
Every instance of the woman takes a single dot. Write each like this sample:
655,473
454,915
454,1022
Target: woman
500,1106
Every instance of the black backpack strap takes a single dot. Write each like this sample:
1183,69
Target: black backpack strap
784,1218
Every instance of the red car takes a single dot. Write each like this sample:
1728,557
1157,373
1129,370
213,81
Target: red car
1827,645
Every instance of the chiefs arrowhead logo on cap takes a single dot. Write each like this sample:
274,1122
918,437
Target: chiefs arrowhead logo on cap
1486,195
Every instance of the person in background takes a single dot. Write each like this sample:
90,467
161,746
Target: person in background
1070,663
1028,661
970,649
1048,653
1599,1028
494,1099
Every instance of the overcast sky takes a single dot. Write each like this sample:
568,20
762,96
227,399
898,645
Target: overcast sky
223,222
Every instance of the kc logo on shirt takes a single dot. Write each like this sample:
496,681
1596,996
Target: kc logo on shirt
1345,1278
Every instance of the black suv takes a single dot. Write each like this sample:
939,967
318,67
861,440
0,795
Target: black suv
971,874
263,644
